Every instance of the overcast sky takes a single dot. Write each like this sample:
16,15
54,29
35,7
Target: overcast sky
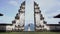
49,9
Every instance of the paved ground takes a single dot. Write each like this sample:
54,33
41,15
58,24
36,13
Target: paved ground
29,32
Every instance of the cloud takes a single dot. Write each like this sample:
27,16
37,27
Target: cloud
53,14
58,10
49,8
49,18
6,19
45,3
52,20
14,3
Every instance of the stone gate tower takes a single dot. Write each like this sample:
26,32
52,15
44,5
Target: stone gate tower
19,21
38,17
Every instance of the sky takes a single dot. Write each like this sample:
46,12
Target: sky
49,9
29,12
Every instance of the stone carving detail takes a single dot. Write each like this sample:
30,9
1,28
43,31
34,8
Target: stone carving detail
39,19
20,18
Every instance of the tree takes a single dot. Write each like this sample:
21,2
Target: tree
59,22
57,16
1,14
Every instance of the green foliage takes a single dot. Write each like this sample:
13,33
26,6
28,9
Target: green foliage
29,32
